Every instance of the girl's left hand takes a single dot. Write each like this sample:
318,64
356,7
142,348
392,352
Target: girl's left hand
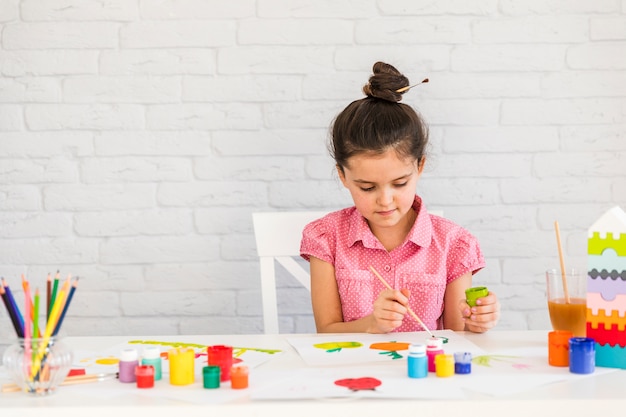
484,315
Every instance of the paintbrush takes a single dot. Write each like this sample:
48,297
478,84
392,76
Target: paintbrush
70,380
407,88
411,312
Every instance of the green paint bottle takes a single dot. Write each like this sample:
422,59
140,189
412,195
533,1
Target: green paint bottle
152,356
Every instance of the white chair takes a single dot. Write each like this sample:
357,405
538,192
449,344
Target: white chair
278,236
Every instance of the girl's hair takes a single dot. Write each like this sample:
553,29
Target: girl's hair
379,121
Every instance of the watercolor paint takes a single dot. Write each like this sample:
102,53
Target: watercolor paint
239,377
444,365
434,347
222,356
211,377
417,363
181,366
145,376
129,359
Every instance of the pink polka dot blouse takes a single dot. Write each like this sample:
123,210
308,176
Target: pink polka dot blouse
435,252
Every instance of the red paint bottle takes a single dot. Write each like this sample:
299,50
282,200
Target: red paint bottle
145,376
222,356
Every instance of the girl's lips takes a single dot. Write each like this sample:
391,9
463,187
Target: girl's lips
386,213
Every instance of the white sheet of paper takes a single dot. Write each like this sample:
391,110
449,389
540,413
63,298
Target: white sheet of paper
333,350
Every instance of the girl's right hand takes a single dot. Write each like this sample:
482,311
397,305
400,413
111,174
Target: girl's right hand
389,311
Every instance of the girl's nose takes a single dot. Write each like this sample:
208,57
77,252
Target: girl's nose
385,197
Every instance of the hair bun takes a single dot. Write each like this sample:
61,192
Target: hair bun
385,82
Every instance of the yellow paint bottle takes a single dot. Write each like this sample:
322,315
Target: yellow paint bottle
181,366
444,365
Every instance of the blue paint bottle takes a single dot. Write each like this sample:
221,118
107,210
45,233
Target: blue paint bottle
417,361
462,362
582,355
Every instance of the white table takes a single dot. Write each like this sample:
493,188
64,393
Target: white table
590,396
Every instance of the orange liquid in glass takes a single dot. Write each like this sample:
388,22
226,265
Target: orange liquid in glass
572,316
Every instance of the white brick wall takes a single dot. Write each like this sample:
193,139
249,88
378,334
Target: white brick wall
137,137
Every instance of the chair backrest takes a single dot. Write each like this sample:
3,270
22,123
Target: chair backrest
278,236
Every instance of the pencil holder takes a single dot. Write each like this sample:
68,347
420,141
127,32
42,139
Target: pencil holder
38,365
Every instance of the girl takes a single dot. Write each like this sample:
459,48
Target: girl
379,146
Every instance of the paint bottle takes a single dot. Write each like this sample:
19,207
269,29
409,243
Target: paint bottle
462,362
434,347
211,377
558,347
145,376
444,365
152,356
181,366
473,294
582,355
222,356
239,377
129,359
417,362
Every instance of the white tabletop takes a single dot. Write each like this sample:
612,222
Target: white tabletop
597,393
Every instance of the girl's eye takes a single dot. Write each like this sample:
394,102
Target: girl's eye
367,189
401,185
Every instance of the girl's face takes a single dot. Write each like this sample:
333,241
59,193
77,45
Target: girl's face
382,186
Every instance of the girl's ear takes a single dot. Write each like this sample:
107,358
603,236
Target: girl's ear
342,175
420,165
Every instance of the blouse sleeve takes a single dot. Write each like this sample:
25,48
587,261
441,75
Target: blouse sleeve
464,256
317,242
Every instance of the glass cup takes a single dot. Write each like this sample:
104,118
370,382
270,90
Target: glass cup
38,366
567,314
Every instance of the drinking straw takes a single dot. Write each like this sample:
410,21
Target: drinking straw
563,277
407,307
65,307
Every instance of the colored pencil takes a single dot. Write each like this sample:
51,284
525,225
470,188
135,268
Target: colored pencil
16,311
28,307
50,326
28,316
55,287
48,292
36,314
29,327
411,312
11,311
65,307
